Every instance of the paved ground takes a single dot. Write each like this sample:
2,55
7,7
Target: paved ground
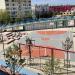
6,45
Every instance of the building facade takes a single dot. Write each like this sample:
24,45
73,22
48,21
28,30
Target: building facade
16,8
40,9
61,8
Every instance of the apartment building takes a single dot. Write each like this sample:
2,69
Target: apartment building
16,8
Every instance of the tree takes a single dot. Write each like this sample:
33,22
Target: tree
48,66
44,14
17,19
13,58
67,45
28,14
4,17
50,14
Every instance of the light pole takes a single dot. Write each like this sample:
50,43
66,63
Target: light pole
29,44
20,51
67,45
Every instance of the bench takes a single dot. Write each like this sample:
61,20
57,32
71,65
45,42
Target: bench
9,41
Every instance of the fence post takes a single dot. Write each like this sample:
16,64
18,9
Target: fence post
52,61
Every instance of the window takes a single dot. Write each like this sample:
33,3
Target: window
13,13
24,0
13,0
7,8
29,4
13,4
23,4
7,4
6,0
61,13
14,8
29,1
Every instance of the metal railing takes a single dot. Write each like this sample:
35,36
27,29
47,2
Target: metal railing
40,22
40,55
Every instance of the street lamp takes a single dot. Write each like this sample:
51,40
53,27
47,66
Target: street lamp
67,45
29,44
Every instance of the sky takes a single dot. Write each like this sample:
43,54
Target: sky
53,2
